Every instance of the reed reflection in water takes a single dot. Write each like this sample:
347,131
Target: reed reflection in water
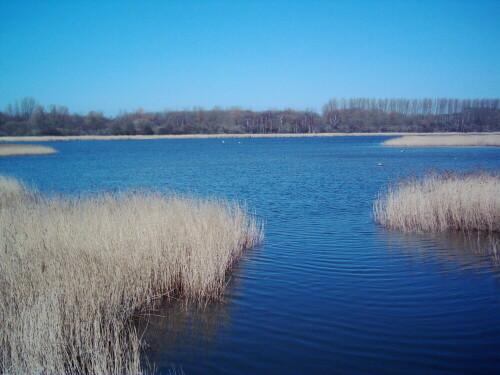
464,250
179,329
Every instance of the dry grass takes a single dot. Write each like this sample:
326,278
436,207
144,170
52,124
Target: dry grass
442,202
24,149
445,140
75,273
198,136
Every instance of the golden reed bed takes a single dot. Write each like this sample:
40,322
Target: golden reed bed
442,202
24,149
199,136
75,273
445,140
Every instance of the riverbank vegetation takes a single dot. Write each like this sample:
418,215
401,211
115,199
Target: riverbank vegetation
26,117
76,272
441,202
24,149
445,141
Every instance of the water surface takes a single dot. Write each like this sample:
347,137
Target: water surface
329,291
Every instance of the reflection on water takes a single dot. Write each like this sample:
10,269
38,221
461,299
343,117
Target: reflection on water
466,250
178,328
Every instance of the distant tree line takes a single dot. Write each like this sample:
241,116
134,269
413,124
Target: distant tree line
27,117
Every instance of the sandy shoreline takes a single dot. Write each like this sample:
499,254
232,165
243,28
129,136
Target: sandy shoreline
202,136
7,149
454,140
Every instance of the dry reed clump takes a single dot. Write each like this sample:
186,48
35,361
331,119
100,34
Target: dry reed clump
24,149
442,202
74,273
444,140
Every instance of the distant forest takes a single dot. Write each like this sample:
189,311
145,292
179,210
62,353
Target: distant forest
27,117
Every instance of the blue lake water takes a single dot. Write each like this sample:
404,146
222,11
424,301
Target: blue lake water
329,291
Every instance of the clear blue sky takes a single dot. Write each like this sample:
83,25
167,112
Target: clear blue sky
112,55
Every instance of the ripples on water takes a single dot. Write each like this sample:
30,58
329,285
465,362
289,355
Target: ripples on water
329,291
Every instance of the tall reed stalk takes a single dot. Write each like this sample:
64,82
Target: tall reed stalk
75,273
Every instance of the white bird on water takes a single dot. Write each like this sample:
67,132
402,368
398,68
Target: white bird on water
380,164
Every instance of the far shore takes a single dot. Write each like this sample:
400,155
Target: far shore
201,136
